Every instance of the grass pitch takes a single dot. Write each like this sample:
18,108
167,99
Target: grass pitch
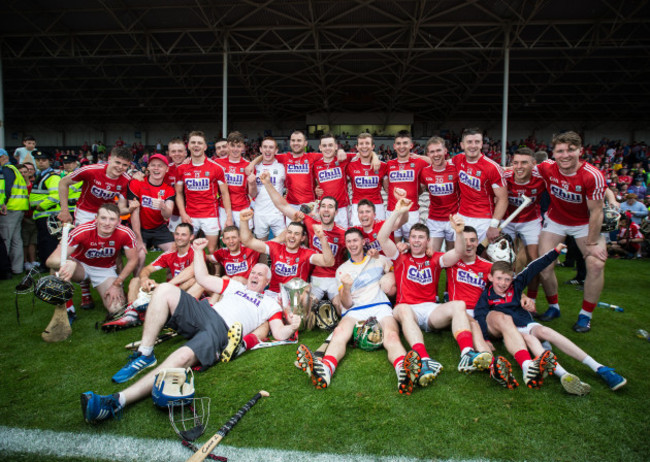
458,417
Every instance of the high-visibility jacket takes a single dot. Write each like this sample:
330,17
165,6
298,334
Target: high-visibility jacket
74,193
19,197
45,194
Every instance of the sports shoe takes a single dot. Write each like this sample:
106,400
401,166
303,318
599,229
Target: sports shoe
137,363
550,314
541,367
473,361
130,318
235,336
96,408
501,372
575,282
318,372
429,371
404,382
613,380
412,372
574,386
583,324
87,303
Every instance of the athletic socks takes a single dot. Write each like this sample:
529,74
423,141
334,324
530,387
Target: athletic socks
121,399
145,350
560,371
464,340
69,306
532,294
250,341
523,358
552,301
421,350
330,362
591,363
398,364
587,308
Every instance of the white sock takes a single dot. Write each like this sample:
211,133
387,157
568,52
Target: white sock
465,350
122,399
526,364
398,366
586,313
145,350
591,363
560,371
554,305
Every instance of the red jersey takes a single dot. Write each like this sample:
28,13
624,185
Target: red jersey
366,184
97,251
533,189
405,175
336,240
236,181
466,281
417,278
299,180
145,192
332,178
174,262
98,188
370,239
239,264
201,187
287,265
476,182
634,232
443,191
569,194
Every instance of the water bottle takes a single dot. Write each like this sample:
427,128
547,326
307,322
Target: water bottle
611,307
643,334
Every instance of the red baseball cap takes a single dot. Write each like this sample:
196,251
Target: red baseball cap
159,157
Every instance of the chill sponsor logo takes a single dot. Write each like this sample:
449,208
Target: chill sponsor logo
441,189
147,202
100,253
254,300
102,193
236,267
330,174
467,277
319,246
372,245
401,176
284,270
273,180
197,184
234,179
298,168
469,180
366,182
566,196
518,200
421,276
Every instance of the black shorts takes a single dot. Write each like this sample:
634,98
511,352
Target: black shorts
202,325
155,237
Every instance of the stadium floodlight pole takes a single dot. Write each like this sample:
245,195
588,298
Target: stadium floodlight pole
506,83
224,107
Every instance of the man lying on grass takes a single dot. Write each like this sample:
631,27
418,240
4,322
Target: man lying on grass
499,313
206,327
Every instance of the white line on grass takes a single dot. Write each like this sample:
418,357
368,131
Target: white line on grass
128,449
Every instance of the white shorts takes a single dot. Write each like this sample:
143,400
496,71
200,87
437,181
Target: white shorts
174,221
342,217
235,218
528,230
268,221
96,274
481,225
82,217
422,312
210,226
527,328
405,229
321,286
378,311
380,213
441,229
577,232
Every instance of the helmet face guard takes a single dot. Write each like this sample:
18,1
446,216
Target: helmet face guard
326,316
611,217
502,249
53,290
54,226
173,386
368,335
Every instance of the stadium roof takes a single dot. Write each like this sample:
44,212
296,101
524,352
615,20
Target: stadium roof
136,61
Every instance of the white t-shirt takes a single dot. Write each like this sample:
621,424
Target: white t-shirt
366,275
263,203
239,304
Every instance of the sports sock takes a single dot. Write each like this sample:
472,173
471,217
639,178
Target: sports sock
398,364
464,340
591,363
121,399
532,294
85,290
330,362
250,341
69,306
145,350
552,301
560,371
521,357
421,350
587,308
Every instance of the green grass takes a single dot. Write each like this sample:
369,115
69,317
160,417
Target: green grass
461,417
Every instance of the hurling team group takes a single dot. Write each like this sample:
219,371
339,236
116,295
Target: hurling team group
321,217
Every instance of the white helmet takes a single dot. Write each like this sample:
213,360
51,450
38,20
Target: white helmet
173,386
502,249
611,216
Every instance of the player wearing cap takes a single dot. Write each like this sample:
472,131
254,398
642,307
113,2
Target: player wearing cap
70,164
576,189
198,184
234,168
483,193
177,152
149,220
404,173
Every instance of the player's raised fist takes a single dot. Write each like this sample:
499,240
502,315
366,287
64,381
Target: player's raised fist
318,231
265,177
457,223
246,215
403,204
199,244
347,280
399,193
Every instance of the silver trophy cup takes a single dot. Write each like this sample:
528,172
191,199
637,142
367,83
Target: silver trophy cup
291,297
